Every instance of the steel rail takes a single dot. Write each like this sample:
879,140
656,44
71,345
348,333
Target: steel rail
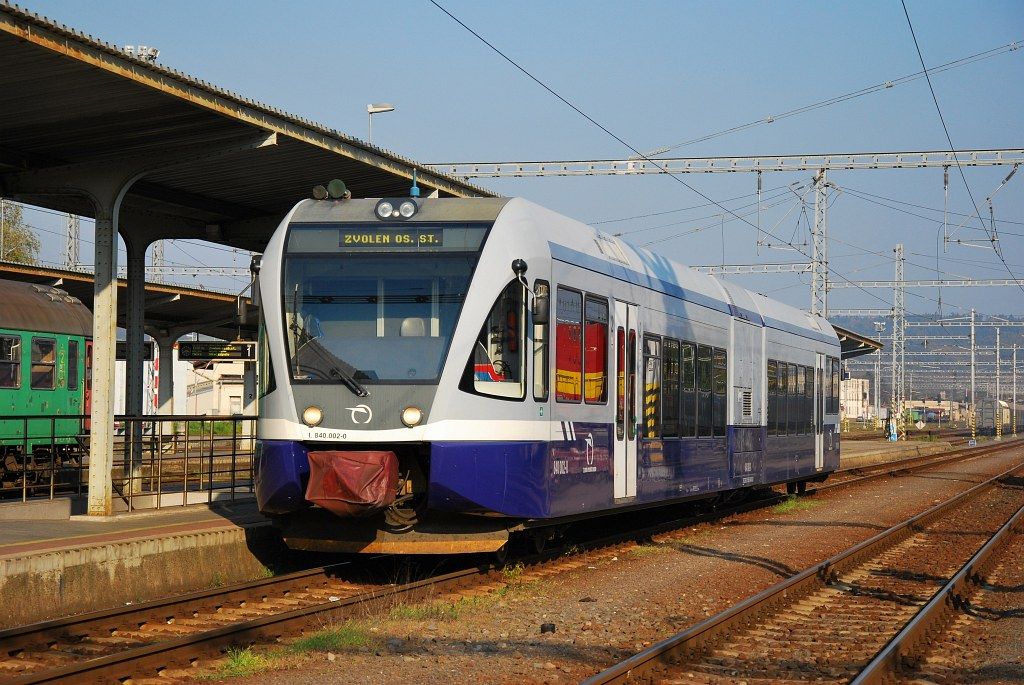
911,642
151,659
695,640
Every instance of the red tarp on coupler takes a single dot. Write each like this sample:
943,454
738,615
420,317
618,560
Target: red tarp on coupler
352,483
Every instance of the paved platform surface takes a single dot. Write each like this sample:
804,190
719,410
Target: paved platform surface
19,537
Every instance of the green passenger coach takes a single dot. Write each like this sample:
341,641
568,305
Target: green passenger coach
45,346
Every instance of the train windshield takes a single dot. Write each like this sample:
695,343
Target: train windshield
374,304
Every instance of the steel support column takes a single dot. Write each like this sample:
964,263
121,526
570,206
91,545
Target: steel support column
134,360
819,247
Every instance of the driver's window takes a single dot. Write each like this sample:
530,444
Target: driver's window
499,351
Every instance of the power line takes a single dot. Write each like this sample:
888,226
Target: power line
884,85
992,235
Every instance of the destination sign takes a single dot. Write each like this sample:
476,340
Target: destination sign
209,350
390,238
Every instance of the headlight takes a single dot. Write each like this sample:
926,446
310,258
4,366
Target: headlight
384,210
407,209
411,416
312,416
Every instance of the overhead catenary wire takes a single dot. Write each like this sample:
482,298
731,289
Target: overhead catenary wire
623,142
992,235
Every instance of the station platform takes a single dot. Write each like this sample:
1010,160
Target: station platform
51,568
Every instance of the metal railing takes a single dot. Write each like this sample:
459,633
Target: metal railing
159,461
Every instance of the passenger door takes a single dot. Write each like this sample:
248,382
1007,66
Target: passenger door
626,351
819,411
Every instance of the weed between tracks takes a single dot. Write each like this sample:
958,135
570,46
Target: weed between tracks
794,503
241,663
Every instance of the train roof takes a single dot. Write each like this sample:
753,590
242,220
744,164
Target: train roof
40,308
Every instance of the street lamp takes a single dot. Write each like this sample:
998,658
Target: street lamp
376,108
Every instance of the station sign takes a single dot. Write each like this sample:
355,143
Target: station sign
216,350
147,350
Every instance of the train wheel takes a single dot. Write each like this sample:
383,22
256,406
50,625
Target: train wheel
501,555
801,487
538,541
791,488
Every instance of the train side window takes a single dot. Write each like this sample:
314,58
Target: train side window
801,404
720,382
569,346
10,361
631,383
44,363
809,400
792,409
783,389
72,365
704,401
773,395
595,351
835,385
688,410
620,383
540,350
670,394
498,357
652,386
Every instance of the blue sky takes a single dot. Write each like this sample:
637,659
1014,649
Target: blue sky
654,73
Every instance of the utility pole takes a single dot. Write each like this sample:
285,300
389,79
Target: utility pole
879,328
158,262
971,415
1013,408
998,414
71,258
819,247
899,322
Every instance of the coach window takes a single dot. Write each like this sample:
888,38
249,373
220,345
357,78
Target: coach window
704,401
540,350
620,383
670,392
10,361
808,399
688,381
773,395
792,408
44,361
720,381
631,383
835,385
652,386
498,357
569,346
783,385
595,351
72,365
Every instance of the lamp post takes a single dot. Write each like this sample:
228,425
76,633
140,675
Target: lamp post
375,108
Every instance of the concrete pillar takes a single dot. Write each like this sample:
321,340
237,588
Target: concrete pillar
104,348
165,397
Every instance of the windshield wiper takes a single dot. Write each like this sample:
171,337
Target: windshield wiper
335,367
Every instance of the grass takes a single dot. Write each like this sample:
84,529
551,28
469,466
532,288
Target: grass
513,573
794,503
335,638
241,663
648,548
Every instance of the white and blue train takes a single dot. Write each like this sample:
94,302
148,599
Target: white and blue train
439,373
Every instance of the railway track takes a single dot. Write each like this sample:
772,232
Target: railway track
828,622
937,434
168,638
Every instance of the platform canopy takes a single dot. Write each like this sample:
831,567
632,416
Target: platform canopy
854,344
167,307
217,165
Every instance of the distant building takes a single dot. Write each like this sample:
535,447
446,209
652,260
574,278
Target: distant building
216,388
855,398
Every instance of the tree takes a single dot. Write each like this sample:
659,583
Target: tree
18,243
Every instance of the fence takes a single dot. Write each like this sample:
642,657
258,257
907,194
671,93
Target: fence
159,461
